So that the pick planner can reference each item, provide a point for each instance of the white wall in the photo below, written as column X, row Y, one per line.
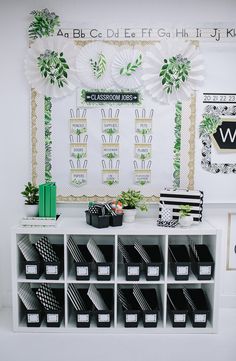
column 15, row 103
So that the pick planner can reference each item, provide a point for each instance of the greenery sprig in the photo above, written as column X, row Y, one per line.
column 184, row 210
column 131, row 68
column 174, row 72
column 43, row 24
column 99, row 67
column 209, row 124
column 53, row 66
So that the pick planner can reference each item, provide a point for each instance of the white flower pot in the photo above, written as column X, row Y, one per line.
column 31, row 210
column 129, row 215
column 186, row 221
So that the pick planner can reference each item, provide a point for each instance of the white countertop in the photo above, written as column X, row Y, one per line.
column 145, row 226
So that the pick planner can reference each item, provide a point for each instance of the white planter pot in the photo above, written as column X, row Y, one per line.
column 31, row 210
column 186, row 221
column 129, row 215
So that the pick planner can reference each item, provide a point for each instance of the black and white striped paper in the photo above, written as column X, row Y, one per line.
column 27, row 249
column 76, row 299
column 28, row 297
column 174, row 198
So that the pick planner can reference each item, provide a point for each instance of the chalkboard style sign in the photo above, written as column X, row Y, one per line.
column 225, row 135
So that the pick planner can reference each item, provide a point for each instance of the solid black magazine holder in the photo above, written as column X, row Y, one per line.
column 133, row 268
column 150, row 317
column 179, row 262
column 133, row 313
column 84, row 317
column 104, row 269
column 53, row 270
column 105, row 317
column 154, row 269
column 83, row 269
column 203, row 266
column 177, row 307
column 200, row 315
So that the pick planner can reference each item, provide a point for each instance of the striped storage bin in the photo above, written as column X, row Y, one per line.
column 174, row 198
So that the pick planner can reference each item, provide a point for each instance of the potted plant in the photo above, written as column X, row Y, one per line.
column 31, row 196
column 131, row 201
column 185, row 219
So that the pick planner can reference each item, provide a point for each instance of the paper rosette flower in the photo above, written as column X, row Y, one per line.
column 50, row 66
column 172, row 71
column 127, row 68
column 94, row 65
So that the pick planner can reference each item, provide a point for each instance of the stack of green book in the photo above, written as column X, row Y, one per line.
column 47, row 200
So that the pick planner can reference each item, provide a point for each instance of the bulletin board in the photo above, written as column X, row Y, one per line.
column 127, row 113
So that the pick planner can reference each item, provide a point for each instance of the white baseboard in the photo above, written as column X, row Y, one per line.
column 228, row 301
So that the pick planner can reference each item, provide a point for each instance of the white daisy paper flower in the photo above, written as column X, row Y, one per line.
column 50, row 66
column 172, row 71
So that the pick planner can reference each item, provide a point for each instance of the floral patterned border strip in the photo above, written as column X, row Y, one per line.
column 34, row 135
column 192, row 142
column 208, row 126
column 177, row 145
column 48, row 139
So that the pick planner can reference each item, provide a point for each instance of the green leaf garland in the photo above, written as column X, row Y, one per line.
column 209, row 124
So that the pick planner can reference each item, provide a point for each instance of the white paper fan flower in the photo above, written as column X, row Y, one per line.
column 172, row 71
column 94, row 65
column 50, row 66
column 127, row 68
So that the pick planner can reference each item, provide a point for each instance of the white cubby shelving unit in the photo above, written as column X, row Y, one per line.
column 144, row 230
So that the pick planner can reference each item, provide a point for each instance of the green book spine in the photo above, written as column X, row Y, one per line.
column 41, row 200
column 47, row 200
column 53, row 200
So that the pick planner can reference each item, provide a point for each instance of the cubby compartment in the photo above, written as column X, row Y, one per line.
column 41, row 269
column 190, row 305
column 150, row 267
column 89, row 316
column 201, row 270
column 42, row 310
column 134, row 311
column 89, row 270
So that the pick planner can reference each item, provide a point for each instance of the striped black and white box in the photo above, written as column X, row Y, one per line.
column 174, row 198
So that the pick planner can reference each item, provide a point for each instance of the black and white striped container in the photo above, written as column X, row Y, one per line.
column 174, row 198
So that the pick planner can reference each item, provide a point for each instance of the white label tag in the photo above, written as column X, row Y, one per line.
column 33, row 318
column 153, row 271
column 151, row 318
column 104, row 317
column 182, row 270
column 201, row 318
column 205, row 270
column 133, row 270
column 51, row 317
column 131, row 317
column 179, row 318
column 103, row 270
column 51, row 270
column 83, row 318
column 82, row 271
column 31, row 269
